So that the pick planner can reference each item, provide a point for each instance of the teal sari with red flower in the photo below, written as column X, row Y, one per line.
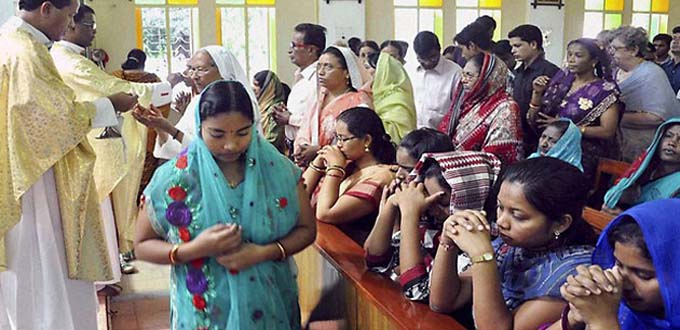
column 190, row 194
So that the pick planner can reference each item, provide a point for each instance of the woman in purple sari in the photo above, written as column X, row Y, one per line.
column 584, row 93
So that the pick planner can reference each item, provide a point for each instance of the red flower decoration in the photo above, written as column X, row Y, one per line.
column 177, row 193
column 184, row 234
column 181, row 162
column 283, row 202
column 198, row 263
column 199, row 302
column 233, row 271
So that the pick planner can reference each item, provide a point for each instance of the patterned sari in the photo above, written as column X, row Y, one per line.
column 485, row 118
column 188, row 195
column 583, row 106
column 271, row 94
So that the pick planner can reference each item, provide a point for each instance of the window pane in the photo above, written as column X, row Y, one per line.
column 594, row 4
column 426, row 21
column 182, row 2
column 258, row 40
column 592, row 24
column 154, row 40
column 490, row 4
column 261, row 2
column 180, row 37
column 406, row 3
column 496, row 14
column 642, row 5
column 439, row 25
column 641, row 20
column 230, row 2
column 659, row 24
column 149, row 2
column 660, row 6
column 234, row 32
column 613, row 5
column 612, row 21
column 408, row 27
column 465, row 17
column 430, row 3
column 467, row 3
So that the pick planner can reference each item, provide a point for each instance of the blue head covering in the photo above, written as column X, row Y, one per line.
column 660, row 227
column 567, row 148
column 613, row 195
column 265, row 204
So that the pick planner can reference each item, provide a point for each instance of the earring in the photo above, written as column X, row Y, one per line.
column 557, row 234
column 367, row 149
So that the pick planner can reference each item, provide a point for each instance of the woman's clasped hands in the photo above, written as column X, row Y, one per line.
column 470, row 231
column 594, row 295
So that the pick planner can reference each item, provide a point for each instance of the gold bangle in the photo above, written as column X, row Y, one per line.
column 337, row 168
column 282, row 249
column 173, row 254
column 533, row 106
column 317, row 169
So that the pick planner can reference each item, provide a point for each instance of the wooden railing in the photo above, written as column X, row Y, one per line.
column 371, row 301
column 596, row 219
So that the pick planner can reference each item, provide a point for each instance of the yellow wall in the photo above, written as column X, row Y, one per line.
column 116, row 30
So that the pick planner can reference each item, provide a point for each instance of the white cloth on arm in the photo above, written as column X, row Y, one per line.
column 44, row 297
column 432, row 91
column 172, row 147
column 301, row 99
column 106, row 114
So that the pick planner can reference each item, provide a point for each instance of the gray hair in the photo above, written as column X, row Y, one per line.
column 632, row 37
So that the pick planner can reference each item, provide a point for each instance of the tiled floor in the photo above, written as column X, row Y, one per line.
column 144, row 302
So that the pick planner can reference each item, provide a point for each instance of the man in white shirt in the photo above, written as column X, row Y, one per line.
column 433, row 81
column 52, row 244
column 309, row 40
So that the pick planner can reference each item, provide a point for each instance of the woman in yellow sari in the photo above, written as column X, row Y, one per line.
column 270, row 93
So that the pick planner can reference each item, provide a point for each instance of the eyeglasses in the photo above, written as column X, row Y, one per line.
column 325, row 67
column 91, row 25
column 616, row 48
column 342, row 140
column 199, row 70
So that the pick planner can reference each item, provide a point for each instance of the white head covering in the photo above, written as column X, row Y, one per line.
column 352, row 66
column 231, row 69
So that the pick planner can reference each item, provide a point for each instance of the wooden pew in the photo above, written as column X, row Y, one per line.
column 370, row 301
column 597, row 219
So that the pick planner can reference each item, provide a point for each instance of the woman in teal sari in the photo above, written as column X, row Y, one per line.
column 227, row 214
column 562, row 140
column 654, row 175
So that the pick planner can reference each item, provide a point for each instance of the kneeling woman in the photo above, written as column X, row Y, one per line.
column 514, row 281
column 346, row 180
column 227, row 214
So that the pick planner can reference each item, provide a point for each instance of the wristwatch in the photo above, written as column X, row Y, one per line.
column 485, row 257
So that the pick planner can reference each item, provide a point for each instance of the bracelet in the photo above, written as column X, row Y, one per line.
column 282, row 249
column 328, row 173
column 316, row 168
column 533, row 106
column 174, row 136
column 173, row 254
column 337, row 168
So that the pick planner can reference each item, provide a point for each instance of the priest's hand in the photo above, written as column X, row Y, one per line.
column 123, row 102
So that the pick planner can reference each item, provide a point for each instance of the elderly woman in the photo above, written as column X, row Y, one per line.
column 645, row 90
column 340, row 80
column 584, row 93
column 483, row 117
column 208, row 65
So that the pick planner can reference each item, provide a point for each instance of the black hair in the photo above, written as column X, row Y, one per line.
column 627, row 231
column 433, row 170
column 362, row 121
column 528, row 33
column 286, row 92
column 555, row 188
column 399, row 45
column 31, row 5
column 560, row 125
column 502, row 48
column 474, row 33
column 261, row 78
column 425, row 42
column 314, row 35
column 676, row 30
column 663, row 37
column 488, row 22
column 354, row 44
column 135, row 60
column 478, row 60
column 373, row 59
column 370, row 43
column 225, row 97
column 449, row 49
column 341, row 59
column 82, row 11
column 423, row 140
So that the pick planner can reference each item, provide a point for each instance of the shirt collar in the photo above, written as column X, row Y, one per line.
column 525, row 67
column 16, row 23
column 71, row 46
column 309, row 71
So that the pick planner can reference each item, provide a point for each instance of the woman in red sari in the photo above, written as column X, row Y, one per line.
column 483, row 117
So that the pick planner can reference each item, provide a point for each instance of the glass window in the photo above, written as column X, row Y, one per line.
column 602, row 15
column 467, row 11
column 414, row 16
column 248, row 29
column 166, row 31
column 651, row 15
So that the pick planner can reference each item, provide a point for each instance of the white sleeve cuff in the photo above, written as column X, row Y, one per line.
column 106, row 114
